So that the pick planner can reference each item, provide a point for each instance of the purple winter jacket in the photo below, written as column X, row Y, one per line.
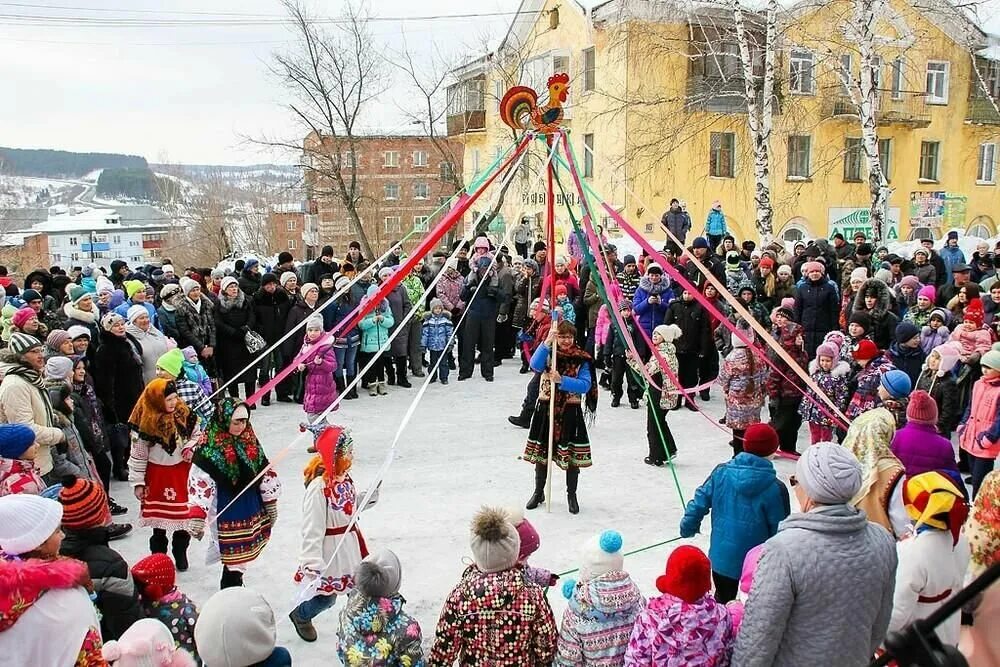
column 921, row 449
column 320, row 389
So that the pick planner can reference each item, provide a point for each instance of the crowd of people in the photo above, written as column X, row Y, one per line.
column 116, row 375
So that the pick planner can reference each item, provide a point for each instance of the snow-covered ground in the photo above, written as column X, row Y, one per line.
column 459, row 453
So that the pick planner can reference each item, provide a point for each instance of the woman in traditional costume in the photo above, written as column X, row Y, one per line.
column 228, row 482
column 575, row 400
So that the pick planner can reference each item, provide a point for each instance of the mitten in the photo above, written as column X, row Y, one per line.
column 196, row 527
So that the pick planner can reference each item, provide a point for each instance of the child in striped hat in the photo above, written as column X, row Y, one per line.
column 85, row 523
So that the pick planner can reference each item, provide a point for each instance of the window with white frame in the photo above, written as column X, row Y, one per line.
column 898, row 69
column 390, row 158
column 391, row 191
column 852, row 159
column 421, row 191
column 420, row 223
column 930, row 158
column 74, row 256
column 117, row 239
column 56, row 258
column 290, row 225
column 291, row 244
column 392, row 225
column 802, row 72
column 419, row 158
column 986, row 174
column 846, row 73
column 589, row 72
column 937, row 81
column 73, row 240
column 793, row 233
column 799, row 148
column 721, row 153
column 588, row 156
column 447, row 171
column 885, row 157
column 349, row 160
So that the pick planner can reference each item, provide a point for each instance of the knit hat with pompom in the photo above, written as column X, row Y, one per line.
column 494, row 540
column 602, row 554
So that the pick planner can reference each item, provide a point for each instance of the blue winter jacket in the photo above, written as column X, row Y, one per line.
column 951, row 256
column 716, row 223
column 436, row 331
column 650, row 315
column 747, row 501
column 578, row 385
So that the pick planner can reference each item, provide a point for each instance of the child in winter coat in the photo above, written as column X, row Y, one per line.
column 933, row 560
column 905, row 352
column 736, row 607
column 17, row 455
column 564, row 305
column 974, row 338
column 662, row 400
column 935, row 332
column 328, row 507
column 743, row 380
column 685, row 626
column 195, row 372
column 917, row 445
column 319, row 361
column 872, row 364
column 979, row 432
column 603, row 606
column 831, row 375
column 919, row 313
column 602, row 338
column 374, row 630
column 155, row 578
column 69, row 457
column 616, row 359
column 85, row 537
column 858, row 329
column 938, row 380
column 147, row 642
column 747, row 501
column 530, row 541
column 435, row 333
column 376, row 327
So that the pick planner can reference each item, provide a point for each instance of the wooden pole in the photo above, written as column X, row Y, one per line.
column 550, row 229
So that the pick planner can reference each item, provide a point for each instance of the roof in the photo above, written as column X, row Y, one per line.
column 125, row 218
column 528, row 14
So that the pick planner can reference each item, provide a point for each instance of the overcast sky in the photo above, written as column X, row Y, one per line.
column 186, row 93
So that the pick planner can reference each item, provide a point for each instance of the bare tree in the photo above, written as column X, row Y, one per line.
column 332, row 76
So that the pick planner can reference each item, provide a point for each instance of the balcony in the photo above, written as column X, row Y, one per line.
column 466, row 121
column 909, row 110
column 982, row 112
column 466, row 105
column 718, row 95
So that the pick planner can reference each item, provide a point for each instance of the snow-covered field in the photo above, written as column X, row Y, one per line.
column 458, row 453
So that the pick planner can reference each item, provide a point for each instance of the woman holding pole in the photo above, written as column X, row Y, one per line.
column 567, row 395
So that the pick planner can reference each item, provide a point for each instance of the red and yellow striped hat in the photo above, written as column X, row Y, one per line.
column 84, row 504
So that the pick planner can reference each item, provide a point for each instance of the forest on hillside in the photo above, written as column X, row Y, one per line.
column 47, row 163
column 137, row 184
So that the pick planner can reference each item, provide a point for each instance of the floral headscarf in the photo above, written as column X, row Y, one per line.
column 982, row 530
column 868, row 438
column 233, row 461
column 151, row 421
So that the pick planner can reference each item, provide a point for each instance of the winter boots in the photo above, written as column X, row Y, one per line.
column 524, row 419
column 538, row 497
column 401, row 379
column 305, row 629
column 230, row 578
column 158, row 542
column 382, row 390
column 572, row 478
column 353, row 393
column 179, row 548
column 373, row 388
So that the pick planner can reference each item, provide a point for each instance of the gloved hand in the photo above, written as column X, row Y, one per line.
column 272, row 512
column 196, row 527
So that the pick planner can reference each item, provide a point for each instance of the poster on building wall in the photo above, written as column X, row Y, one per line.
column 850, row 221
column 937, row 210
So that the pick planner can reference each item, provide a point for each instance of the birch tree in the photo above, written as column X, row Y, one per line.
column 760, row 113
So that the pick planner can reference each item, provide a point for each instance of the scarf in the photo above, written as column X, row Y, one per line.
column 32, row 377
column 226, row 303
column 868, row 440
column 231, row 461
column 568, row 363
column 151, row 421
column 195, row 305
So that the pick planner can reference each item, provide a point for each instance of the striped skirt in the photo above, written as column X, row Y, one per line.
column 244, row 529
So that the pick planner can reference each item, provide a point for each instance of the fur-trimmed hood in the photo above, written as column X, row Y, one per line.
column 23, row 581
column 839, row 370
column 74, row 313
column 881, row 291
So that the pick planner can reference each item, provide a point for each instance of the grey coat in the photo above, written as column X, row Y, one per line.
column 822, row 593
column 399, row 304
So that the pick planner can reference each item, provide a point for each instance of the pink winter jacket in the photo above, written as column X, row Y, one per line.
column 672, row 633
column 977, row 341
column 982, row 413
column 603, row 327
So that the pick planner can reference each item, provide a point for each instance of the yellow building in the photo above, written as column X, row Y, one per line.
column 656, row 92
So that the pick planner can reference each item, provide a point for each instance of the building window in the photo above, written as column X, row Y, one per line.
column 349, row 160
column 447, row 171
column 421, row 191
column 117, row 239
column 291, row 244
column 588, row 156
column 877, row 72
column 390, row 158
column 74, row 256
column 798, row 156
column 73, row 240
column 793, row 233
column 987, row 164
column 721, row 149
column 392, row 191
column 898, row 69
column 392, row 224
column 589, row 63
column 846, row 67
column 930, row 152
column 560, row 64
column 420, row 223
column 885, row 157
column 852, row 159
column 419, row 158
column 802, row 73
column 937, row 82
column 290, row 225
column 56, row 258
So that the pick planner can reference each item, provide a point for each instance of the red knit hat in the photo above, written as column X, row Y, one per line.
column 760, row 439
column 922, row 409
column 155, row 575
column 866, row 350
column 84, row 504
column 974, row 312
column 688, row 575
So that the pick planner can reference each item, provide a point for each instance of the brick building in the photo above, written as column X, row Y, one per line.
column 401, row 181
column 294, row 227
